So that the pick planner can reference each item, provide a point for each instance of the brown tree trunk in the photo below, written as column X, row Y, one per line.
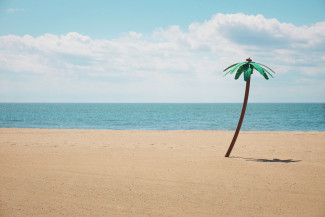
column 240, row 119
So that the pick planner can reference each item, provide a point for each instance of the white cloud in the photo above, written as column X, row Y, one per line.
column 15, row 10
column 169, row 65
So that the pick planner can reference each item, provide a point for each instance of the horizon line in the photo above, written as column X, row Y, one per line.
column 155, row 102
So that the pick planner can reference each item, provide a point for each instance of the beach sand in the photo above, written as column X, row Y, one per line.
column 46, row 172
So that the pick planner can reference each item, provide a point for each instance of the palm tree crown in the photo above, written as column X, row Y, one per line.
column 247, row 68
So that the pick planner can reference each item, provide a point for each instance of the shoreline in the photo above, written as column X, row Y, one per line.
column 29, row 128
column 181, row 173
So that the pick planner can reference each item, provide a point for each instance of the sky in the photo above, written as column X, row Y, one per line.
column 160, row 51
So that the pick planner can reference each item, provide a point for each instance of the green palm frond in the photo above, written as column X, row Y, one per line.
column 258, row 68
column 268, row 73
column 265, row 76
column 239, row 72
column 248, row 72
column 247, row 69
column 230, row 66
column 236, row 67
column 266, row 67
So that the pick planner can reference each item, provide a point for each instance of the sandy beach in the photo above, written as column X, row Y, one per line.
column 46, row 172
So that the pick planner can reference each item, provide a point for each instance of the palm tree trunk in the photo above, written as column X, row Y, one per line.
column 240, row 119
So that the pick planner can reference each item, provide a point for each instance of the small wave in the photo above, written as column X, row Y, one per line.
column 16, row 120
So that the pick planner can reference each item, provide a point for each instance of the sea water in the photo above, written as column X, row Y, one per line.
column 164, row 116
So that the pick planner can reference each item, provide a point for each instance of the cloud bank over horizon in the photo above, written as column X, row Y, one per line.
column 170, row 65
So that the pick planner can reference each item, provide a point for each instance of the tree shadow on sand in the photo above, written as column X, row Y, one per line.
column 274, row 160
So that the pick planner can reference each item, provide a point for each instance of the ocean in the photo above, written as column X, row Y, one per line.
column 164, row 116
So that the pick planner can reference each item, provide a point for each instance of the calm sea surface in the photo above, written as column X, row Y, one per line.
column 165, row 116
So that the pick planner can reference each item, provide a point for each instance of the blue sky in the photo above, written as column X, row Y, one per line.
column 159, row 51
column 107, row 19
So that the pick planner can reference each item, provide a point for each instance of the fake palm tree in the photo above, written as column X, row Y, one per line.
column 247, row 69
